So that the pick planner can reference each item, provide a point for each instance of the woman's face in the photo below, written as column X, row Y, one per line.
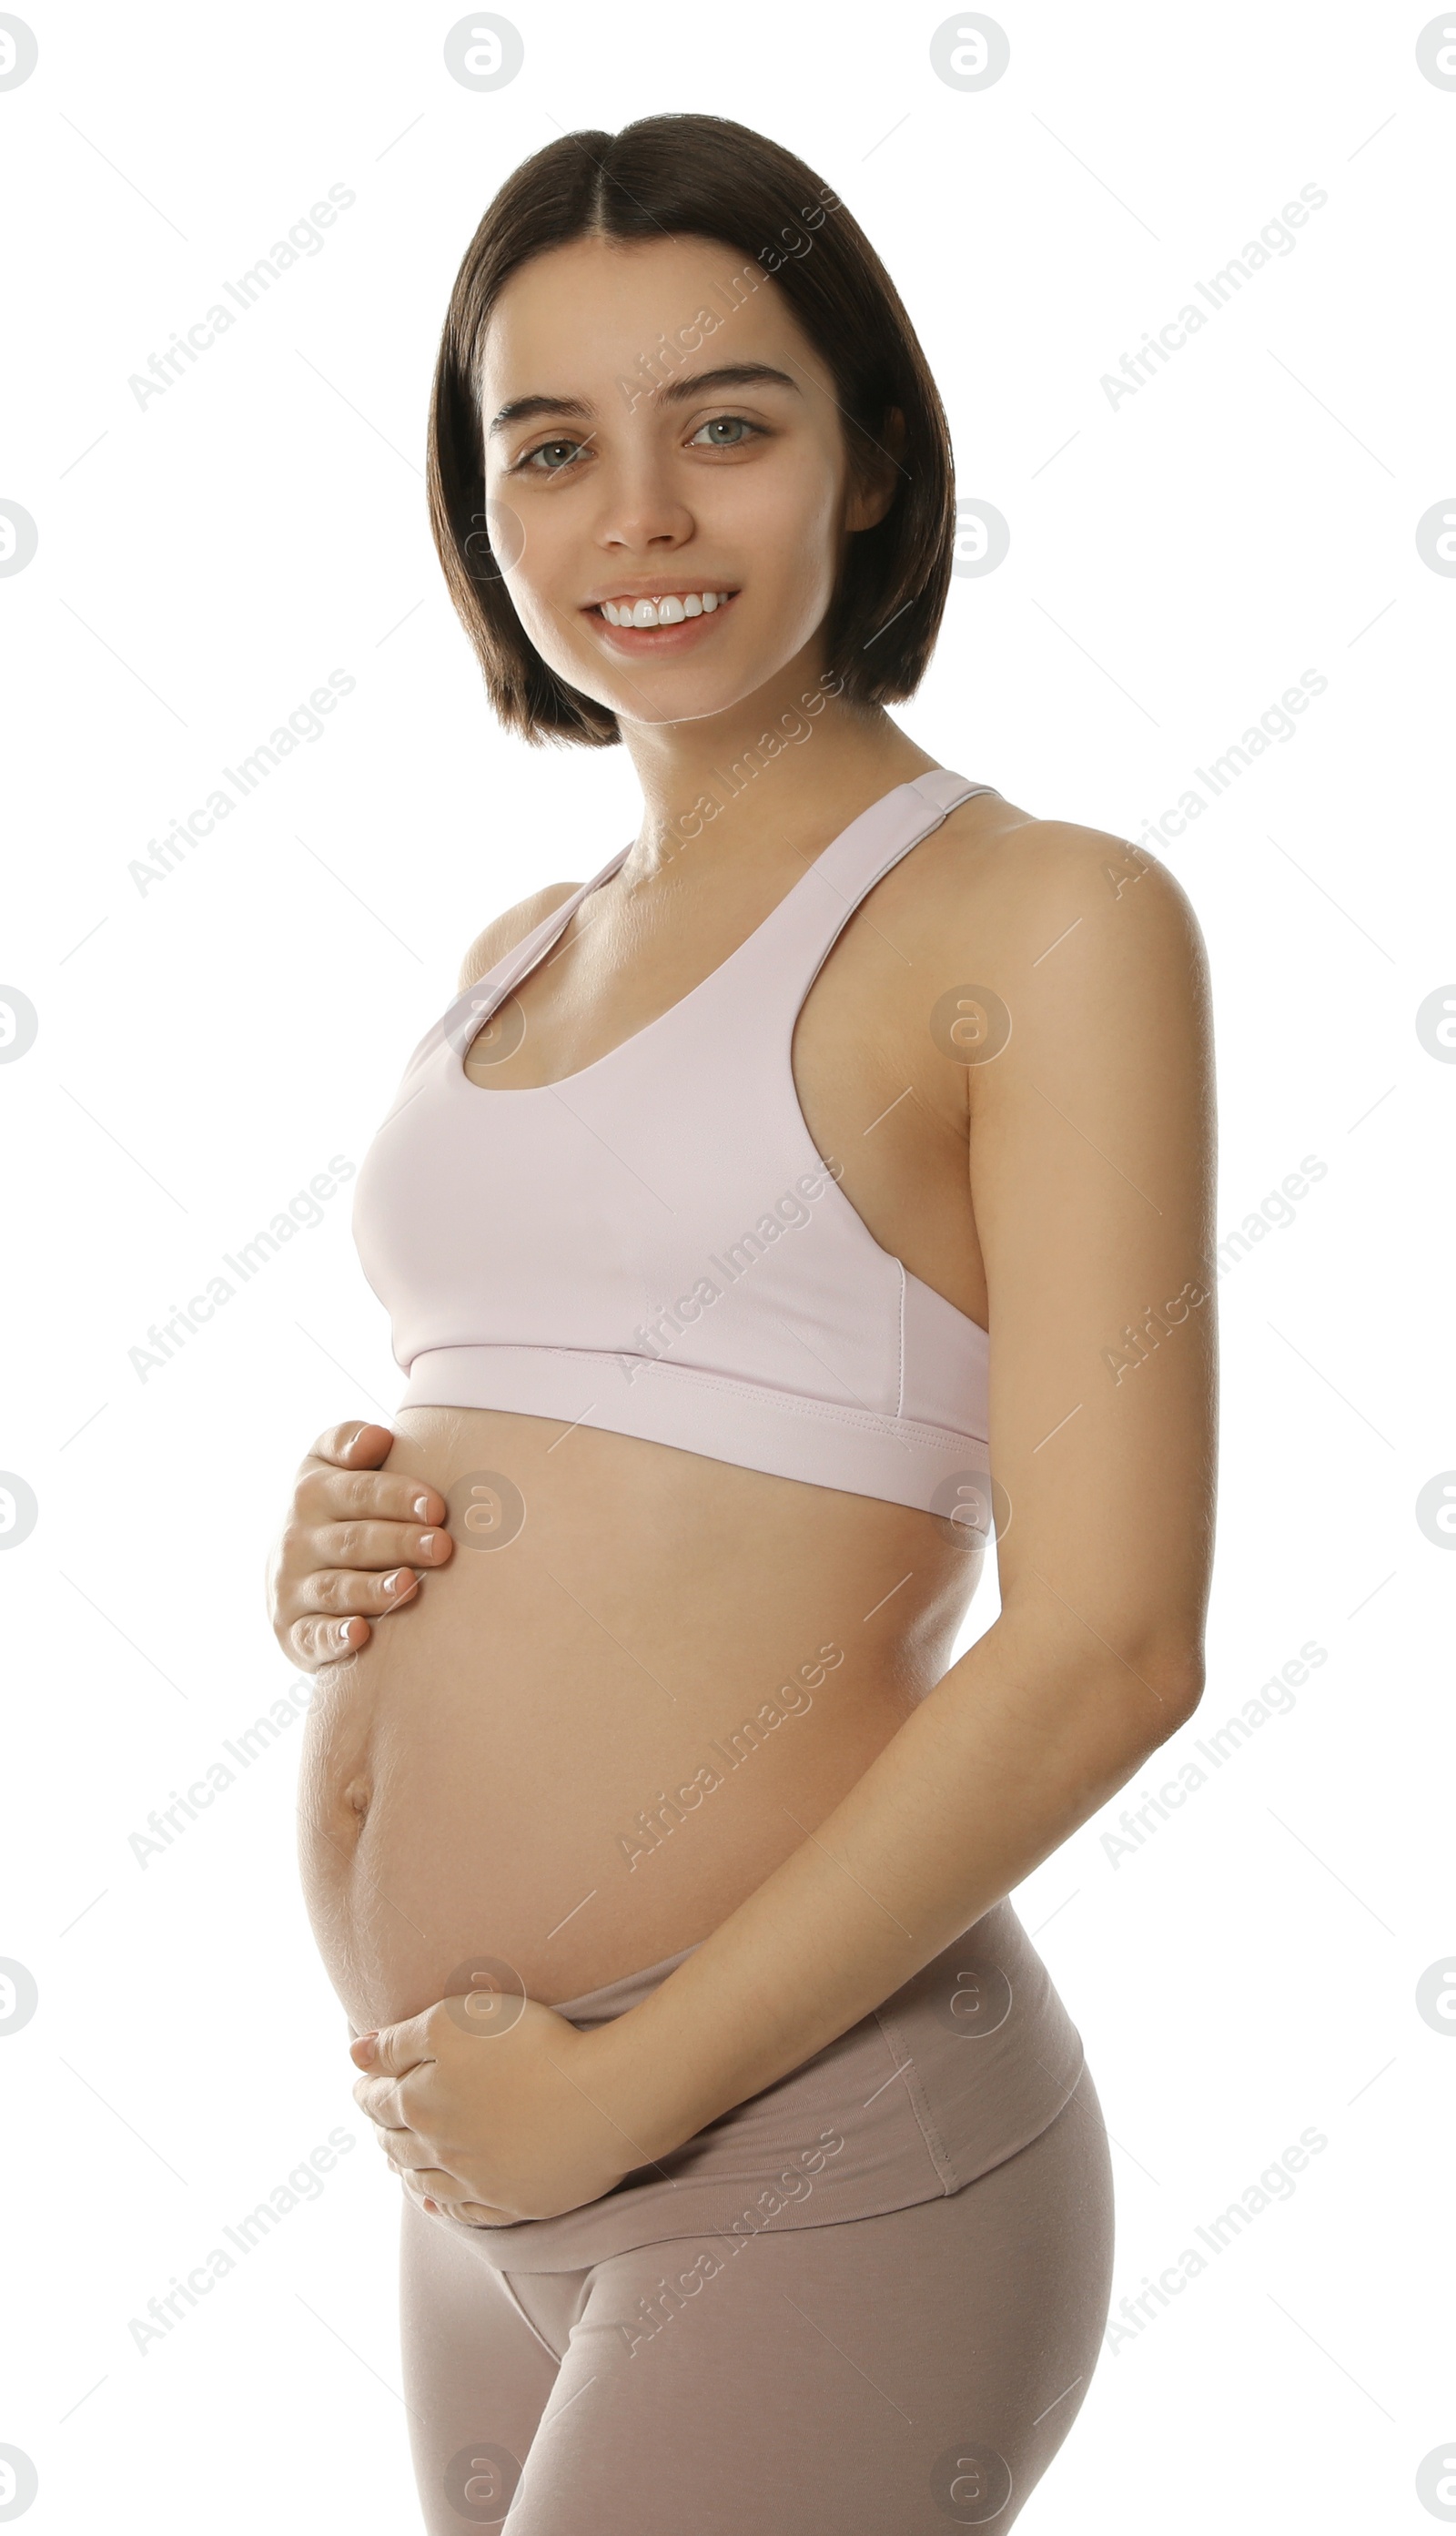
column 640, row 472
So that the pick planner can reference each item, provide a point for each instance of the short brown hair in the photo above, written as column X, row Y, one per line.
column 674, row 176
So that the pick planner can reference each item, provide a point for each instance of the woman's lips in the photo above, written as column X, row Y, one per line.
column 637, row 640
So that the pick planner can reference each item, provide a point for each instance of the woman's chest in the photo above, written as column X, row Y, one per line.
column 857, row 1043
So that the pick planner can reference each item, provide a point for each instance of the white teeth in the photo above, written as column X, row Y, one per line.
column 669, row 611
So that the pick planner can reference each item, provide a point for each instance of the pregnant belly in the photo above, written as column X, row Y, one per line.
column 642, row 1680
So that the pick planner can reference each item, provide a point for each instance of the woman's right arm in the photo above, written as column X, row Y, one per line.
column 348, row 1551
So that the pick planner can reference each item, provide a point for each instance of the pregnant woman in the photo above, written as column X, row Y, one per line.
column 814, row 1193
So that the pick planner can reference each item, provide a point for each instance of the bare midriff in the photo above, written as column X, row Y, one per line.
column 589, row 1739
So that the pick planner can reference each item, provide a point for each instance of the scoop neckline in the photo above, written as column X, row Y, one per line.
column 457, row 1073
column 529, row 1091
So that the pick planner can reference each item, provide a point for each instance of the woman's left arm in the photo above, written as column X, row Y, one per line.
column 1090, row 1149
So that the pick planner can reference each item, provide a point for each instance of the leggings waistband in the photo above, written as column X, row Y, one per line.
column 613, row 1999
column 964, row 2065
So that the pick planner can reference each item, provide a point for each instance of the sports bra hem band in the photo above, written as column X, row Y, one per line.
column 907, row 1432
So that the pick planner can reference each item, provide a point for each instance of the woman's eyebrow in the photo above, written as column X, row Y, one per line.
column 526, row 409
column 739, row 374
column 678, row 391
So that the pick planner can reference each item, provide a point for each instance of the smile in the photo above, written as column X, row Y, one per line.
column 670, row 609
column 673, row 622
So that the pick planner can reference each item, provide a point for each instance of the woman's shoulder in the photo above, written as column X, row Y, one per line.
column 504, row 931
column 1005, row 868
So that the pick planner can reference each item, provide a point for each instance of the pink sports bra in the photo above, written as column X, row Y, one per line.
column 652, row 1246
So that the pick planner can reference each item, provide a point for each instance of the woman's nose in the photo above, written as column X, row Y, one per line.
column 643, row 513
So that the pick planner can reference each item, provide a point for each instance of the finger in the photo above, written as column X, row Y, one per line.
column 394, row 2050
column 367, row 1543
column 406, row 2150
column 312, row 1643
column 436, row 2181
column 378, row 2101
column 318, row 1639
column 433, row 2190
column 355, row 1445
column 324, row 1495
column 333, row 1593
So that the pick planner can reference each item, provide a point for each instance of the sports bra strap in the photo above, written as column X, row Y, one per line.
column 479, row 1000
column 796, row 938
column 800, row 928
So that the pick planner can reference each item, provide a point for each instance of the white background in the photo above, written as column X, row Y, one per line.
column 1176, row 561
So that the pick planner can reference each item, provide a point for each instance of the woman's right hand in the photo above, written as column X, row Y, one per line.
column 350, row 1548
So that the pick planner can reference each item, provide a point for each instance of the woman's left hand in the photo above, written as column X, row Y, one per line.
column 491, row 2126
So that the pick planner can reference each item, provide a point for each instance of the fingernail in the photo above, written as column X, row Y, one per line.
column 421, row 1507
column 395, row 1582
column 427, row 1545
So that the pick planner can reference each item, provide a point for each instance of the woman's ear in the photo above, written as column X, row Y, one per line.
column 878, row 473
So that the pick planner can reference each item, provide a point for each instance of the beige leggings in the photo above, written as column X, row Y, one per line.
column 891, row 2376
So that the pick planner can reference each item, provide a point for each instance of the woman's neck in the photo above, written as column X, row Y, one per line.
column 802, row 771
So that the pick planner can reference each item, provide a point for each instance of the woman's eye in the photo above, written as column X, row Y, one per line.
column 544, row 451
column 729, row 422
